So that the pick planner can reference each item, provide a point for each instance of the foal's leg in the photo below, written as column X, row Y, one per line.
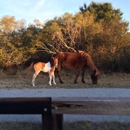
column 34, row 77
column 50, row 76
column 53, row 76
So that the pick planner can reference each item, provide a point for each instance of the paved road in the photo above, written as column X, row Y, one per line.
column 96, row 92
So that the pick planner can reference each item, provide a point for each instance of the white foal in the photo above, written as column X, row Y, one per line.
column 46, row 67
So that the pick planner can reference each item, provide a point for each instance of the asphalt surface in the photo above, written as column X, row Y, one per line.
column 94, row 92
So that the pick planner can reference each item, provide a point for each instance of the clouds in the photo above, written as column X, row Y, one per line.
column 15, row 8
column 48, row 9
column 38, row 9
column 45, row 10
column 39, row 4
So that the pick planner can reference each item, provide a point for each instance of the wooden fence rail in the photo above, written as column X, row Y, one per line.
column 28, row 106
column 90, row 106
column 53, row 109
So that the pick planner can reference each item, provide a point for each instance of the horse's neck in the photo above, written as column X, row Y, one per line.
column 91, row 65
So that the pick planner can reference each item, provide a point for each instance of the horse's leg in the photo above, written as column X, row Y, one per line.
column 34, row 77
column 75, row 80
column 58, row 73
column 83, row 71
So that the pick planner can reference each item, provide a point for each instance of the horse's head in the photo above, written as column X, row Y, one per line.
column 94, row 76
column 54, row 61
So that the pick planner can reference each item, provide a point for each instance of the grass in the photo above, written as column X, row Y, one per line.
column 20, row 126
column 80, row 125
column 23, row 80
column 86, row 125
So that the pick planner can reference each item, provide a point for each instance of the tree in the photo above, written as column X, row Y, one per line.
column 70, row 32
column 102, row 11
column 54, row 37
column 38, row 23
column 108, row 43
column 8, row 24
column 15, row 42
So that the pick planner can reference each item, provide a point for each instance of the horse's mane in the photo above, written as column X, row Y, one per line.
column 83, row 54
column 89, row 61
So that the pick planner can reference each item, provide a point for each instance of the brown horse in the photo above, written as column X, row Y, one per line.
column 45, row 67
column 77, row 61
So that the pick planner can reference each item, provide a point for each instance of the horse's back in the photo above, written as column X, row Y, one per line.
column 70, row 60
column 65, row 56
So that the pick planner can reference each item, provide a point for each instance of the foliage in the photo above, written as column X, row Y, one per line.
column 97, row 29
column 16, row 46
column 8, row 24
column 102, row 11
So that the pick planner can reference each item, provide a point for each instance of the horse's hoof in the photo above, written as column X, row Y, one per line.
column 61, row 82
column 75, row 82
column 83, row 82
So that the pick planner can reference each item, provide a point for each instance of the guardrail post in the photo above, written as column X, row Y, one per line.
column 46, row 122
column 57, row 121
column 52, row 122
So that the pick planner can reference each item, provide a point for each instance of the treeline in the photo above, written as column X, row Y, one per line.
column 98, row 29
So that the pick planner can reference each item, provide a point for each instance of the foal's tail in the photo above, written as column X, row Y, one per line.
column 31, row 65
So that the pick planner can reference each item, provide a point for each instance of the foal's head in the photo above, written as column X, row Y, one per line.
column 54, row 61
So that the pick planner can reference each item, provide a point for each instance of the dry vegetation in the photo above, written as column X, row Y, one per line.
column 9, row 79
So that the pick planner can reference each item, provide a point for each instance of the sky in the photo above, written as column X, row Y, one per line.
column 44, row 10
